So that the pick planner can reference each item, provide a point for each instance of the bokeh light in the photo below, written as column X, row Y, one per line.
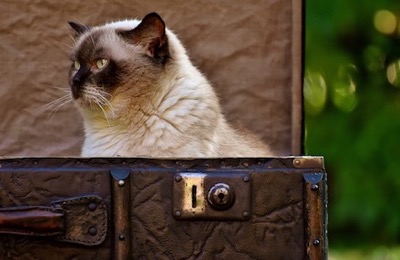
column 385, row 21
column 344, row 89
column 315, row 92
column 393, row 73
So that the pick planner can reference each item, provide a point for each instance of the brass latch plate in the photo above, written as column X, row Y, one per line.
column 212, row 196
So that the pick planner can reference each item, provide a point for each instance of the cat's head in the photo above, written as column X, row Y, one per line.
column 117, row 61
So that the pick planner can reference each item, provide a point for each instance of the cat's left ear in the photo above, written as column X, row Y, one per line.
column 79, row 28
column 150, row 33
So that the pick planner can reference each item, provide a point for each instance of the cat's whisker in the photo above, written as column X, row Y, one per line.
column 62, row 46
column 55, row 102
column 105, row 115
column 55, row 105
column 61, row 105
column 96, row 99
column 64, row 90
column 70, row 35
column 106, row 101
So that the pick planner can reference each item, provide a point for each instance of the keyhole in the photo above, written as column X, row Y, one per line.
column 221, row 197
column 194, row 196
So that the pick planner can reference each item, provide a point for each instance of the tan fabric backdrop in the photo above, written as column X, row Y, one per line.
column 249, row 50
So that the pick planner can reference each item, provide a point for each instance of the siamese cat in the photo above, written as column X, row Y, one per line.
column 139, row 95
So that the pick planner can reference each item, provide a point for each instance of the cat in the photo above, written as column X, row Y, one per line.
column 140, row 95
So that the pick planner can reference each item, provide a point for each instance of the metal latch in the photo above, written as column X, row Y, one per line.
column 212, row 196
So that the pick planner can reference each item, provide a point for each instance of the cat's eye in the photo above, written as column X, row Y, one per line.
column 101, row 63
column 76, row 66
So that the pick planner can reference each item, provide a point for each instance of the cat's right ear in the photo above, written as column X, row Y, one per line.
column 79, row 28
column 150, row 33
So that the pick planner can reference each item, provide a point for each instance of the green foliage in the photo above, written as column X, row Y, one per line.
column 352, row 101
column 366, row 254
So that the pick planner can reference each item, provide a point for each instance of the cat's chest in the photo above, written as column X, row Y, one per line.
column 178, row 125
column 153, row 137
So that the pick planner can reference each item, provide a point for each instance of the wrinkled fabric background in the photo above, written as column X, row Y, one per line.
column 249, row 50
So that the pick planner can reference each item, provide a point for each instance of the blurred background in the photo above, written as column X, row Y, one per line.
column 352, row 106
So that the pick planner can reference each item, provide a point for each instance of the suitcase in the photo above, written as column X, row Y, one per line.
column 126, row 208
column 67, row 207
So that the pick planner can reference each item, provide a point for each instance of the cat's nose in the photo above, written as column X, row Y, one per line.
column 79, row 79
column 77, row 82
column 75, row 91
column 76, row 86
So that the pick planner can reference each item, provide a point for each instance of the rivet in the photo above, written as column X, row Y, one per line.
column 178, row 178
column 121, row 237
column 246, row 179
column 296, row 162
column 316, row 242
column 246, row 164
column 121, row 183
column 245, row 214
column 35, row 162
column 314, row 187
column 92, row 206
column 177, row 213
column 93, row 231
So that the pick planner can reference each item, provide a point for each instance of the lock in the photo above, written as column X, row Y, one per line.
column 221, row 196
column 211, row 196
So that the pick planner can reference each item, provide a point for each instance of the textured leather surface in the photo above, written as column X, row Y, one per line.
column 274, row 231
column 244, row 48
column 35, row 184
column 277, row 228
column 85, row 220
column 81, row 220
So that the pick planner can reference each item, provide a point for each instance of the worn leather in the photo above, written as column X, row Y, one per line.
column 249, row 51
column 81, row 220
column 85, row 220
column 31, row 182
column 276, row 223
column 32, row 221
column 280, row 209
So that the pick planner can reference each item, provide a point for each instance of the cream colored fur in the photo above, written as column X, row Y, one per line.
column 174, row 115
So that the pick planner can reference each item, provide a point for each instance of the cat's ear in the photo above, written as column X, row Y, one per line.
column 79, row 28
column 150, row 33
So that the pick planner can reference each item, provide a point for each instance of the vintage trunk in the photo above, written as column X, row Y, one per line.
column 127, row 208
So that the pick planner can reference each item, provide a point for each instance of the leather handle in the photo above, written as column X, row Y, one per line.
column 34, row 220
column 80, row 220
